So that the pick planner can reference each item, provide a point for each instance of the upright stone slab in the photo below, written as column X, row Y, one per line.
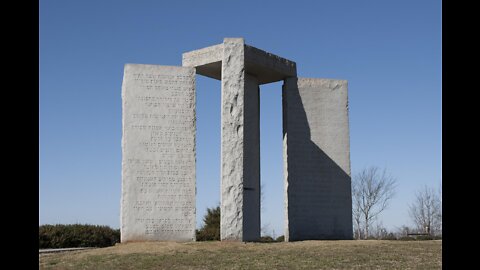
column 251, row 161
column 158, row 153
column 241, row 68
column 235, row 156
column 316, row 159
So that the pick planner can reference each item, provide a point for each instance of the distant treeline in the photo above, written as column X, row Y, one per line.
column 77, row 235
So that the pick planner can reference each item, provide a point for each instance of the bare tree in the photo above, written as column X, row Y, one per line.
column 356, row 211
column 265, row 229
column 379, row 231
column 426, row 211
column 262, row 198
column 402, row 231
column 439, row 228
column 372, row 192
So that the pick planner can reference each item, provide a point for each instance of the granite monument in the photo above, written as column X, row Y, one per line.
column 158, row 147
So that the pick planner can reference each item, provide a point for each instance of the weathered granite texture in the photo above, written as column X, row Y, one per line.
column 232, row 147
column 207, row 61
column 158, row 153
column 241, row 68
column 316, row 159
column 265, row 66
column 240, row 184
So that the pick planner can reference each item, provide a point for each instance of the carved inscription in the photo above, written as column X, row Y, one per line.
column 158, row 200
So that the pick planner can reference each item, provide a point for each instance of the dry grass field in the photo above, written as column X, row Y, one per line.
column 357, row 254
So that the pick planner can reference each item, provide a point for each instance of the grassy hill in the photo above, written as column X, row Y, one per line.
column 356, row 254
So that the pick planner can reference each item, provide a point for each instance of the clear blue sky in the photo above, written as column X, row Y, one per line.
column 389, row 51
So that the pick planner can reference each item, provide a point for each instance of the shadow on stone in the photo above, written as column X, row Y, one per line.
column 318, row 189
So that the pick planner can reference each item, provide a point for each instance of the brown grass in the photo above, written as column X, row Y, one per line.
column 356, row 254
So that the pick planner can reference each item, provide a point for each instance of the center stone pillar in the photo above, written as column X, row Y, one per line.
column 240, row 148
column 241, row 69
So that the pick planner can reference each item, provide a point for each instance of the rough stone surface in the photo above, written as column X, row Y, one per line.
column 316, row 159
column 232, row 147
column 158, row 153
column 208, row 61
column 203, row 56
column 240, row 176
column 265, row 66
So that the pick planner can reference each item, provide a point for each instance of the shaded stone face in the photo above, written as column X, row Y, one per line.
column 158, row 153
column 316, row 159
